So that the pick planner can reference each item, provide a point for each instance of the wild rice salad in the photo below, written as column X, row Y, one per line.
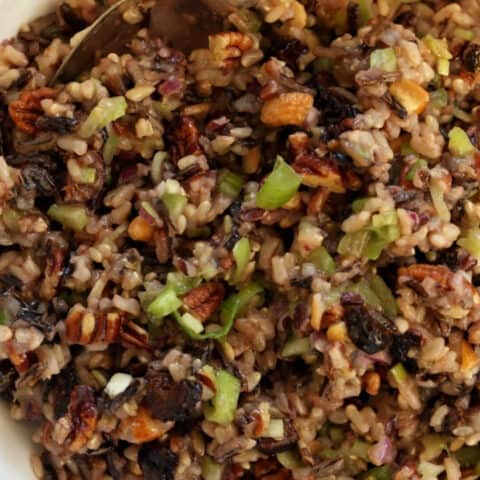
column 259, row 261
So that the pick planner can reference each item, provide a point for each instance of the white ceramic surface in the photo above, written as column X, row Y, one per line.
column 15, row 445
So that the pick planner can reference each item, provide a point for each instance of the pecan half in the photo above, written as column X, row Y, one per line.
column 27, row 109
column 83, row 327
column 203, row 301
column 83, row 414
column 185, row 139
column 319, row 172
column 133, row 334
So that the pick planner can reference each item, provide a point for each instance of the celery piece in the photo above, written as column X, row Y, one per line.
column 211, row 470
column 296, row 347
column 438, row 200
column 175, row 203
column 384, row 294
column 189, row 322
column 180, row 283
column 241, row 253
column 384, row 59
column 399, row 373
column 230, row 184
column 439, row 98
column 419, row 164
column 354, row 244
column 279, row 187
column 224, row 404
column 470, row 241
column 110, row 148
column 322, row 260
column 88, row 175
column 164, row 304
column 106, row 111
column 459, row 143
column 72, row 217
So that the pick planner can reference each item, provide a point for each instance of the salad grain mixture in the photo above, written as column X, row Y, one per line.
column 257, row 261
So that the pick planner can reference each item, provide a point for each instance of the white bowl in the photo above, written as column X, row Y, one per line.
column 15, row 438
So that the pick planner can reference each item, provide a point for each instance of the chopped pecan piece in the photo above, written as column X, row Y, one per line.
column 83, row 415
column 185, row 139
column 53, row 273
column 203, row 301
column 133, row 334
column 319, row 172
column 228, row 47
column 83, row 327
column 142, row 428
column 27, row 109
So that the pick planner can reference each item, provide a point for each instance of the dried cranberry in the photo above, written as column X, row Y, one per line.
column 157, row 462
column 168, row 400
column 368, row 329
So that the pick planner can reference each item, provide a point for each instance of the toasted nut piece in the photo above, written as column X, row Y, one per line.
column 142, row 428
column 295, row 203
column 85, row 328
column 133, row 334
column 317, row 201
column 410, row 95
column 287, row 109
column 27, row 109
column 203, row 301
column 474, row 334
column 337, row 332
column 140, row 230
column 469, row 358
column 371, row 383
column 317, row 311
column 251, row 161
column 83, row 413
column 419, row 272
column 319, row 172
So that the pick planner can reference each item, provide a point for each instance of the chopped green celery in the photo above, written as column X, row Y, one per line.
column 470, row 241
column 224, row 403
column 359, row 449
column 148, row 207
column 175, row 203
column 322, row 260
column 365, row 10
column 384, row 472
column 439, row 98
column 241, row 254
column 337, row 434
column 5, row 317
column 323, row 65
column 430, row 471
column 354, row 243
column 229, row 311
column 438, row 200
column 468, row 457
column 359, row 204
column 157, row 166
column 363, row 288
column 406, row 150
column 433, row 446
column 230, row 184
column 384, row 59
column 399, row 373
column 189, row 322
column 106, row 111
column 459, row 143
column 296, row 347
column 419, row 164
column 164, row 304
column 443, row 67
column 88, row 175
column 439, row 47
column 462, row 115
column 211, row 470
column 279, row 187
column 180, row 283
column 11, row 217
column 384, row 294
column 109, row 149
column 464, row 34
column 375, row 246
column 72, row 217
column 275, row 429
column 290, row 459
column 99, row 377
column 385, row 219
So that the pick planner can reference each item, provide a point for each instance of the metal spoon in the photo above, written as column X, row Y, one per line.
column 185, row 24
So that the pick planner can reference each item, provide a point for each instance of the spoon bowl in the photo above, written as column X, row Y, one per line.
column 185, row 24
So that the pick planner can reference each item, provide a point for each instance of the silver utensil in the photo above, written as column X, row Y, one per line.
column 185, row 24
